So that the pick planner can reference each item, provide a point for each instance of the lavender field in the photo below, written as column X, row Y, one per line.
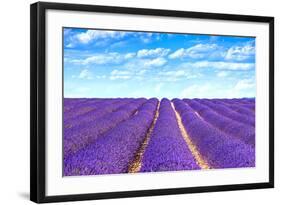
column 130, row 135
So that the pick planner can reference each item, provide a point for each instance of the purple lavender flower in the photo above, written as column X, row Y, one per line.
column 218, row 149
column 167, row 149
column 233, row 128
column 236, row 107
column 227, row 112
column 88, row 117
column 87, row 106
column 112, row 152
column 84, row 134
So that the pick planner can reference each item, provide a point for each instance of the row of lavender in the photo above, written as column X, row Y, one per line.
column 103, row 136
column 219, row 148
column 114, row 149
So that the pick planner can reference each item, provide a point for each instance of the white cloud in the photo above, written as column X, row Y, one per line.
column 120, row 74
column 156, row 62
column 197, row 51
column 124, row 77
column 144, row 63
column 85, row 74
column 222, row 74
column 129, row 60
column 221, row 65
column 129, row 55
column 177, row 54
column 175, row 75
column 67, row 60
column 158, row 87
column 178, row 73
column 244, row 84
column 104, row 58
column 141, row 72
column 101, row 76
column 70, row 45
column 90, row 35
column 240, row 53
column 212, row 90
column 196, row 91
column 145, row 37
column 157, row 52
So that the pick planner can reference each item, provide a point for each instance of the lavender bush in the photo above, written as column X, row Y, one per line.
column 106, row 136
column 227, row 125
column 215, row 146
column 167, row 150
column 113, row 151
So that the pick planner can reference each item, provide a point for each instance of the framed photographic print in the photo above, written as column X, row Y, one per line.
column 129, row 102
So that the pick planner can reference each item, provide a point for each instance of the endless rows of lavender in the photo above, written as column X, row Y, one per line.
column 129, row 135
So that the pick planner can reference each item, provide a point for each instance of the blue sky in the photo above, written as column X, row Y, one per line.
column 109, row 64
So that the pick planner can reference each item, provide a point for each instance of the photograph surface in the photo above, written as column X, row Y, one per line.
column 143, row 101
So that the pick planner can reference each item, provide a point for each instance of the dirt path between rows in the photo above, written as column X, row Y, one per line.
column 136, row 165
column 192, row 147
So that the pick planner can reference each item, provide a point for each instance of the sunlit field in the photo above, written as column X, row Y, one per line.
column 113, row 136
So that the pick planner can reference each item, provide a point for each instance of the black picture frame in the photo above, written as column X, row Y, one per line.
column 38, row 101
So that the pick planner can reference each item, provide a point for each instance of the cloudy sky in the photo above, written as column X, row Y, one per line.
column 103, row 63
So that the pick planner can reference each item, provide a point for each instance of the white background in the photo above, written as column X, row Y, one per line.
column 14, row 103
